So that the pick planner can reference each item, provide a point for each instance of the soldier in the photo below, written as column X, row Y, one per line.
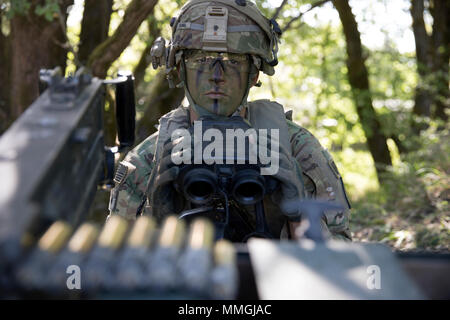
column 218, row 49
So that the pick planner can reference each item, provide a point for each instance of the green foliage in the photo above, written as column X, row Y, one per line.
column 16, row 7
column 48, row 10
column 163, row 12
column 411, row 209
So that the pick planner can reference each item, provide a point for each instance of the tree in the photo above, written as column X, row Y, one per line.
column 108, row 51
column 422, row 105
column 359, row 81
column 160, row 100
column 5, row 70
column 36, row 40
column 94, row 27
column 440, row 11
column 432, row 54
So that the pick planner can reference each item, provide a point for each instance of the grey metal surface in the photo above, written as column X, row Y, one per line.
column 330, row 270
column 54, row 147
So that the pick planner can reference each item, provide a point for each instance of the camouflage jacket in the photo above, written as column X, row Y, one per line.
column 320, row 175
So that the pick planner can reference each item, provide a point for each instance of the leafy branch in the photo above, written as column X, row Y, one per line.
column 312, row 6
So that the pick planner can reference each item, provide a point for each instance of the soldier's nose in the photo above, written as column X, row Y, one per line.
column 218, row 68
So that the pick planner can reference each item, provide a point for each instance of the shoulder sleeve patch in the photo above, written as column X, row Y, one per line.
column 123, row 170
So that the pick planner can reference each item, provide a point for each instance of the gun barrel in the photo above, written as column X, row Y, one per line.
column 37, row 185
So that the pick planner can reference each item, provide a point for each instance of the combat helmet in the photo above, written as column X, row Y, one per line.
column 235, row 26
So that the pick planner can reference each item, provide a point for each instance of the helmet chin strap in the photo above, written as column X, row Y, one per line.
column 202, row 112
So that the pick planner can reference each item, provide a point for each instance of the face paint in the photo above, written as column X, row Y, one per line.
column 217, row 81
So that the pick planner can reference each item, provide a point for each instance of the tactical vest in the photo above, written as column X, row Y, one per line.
column 266, row 114
column 262, row 114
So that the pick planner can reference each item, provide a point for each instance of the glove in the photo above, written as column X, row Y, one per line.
column 164, row 199
column 289, row 175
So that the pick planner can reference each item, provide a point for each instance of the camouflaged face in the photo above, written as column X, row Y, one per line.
column 188, row 33
column 217, row 81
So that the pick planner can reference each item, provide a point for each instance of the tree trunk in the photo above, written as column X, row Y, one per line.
column 94, row 31
column 5, row 70
column 94, row 27
column 160, row 100
column 106, row 53
column 441, row 42
column 359, row 81
column 422, row 104
column 35, row 43
column 144, row 61
column 109, row 50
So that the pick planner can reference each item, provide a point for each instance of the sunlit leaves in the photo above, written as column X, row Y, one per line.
column 12, row 8
column 49, row 9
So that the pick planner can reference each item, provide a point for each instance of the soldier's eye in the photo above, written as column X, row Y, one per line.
column 201, row 60
column 232, row 61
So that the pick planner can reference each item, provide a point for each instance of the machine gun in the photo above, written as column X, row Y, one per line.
column 53, row 157
column 138, row 261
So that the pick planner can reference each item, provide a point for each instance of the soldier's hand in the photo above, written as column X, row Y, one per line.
column 288, row 174
column 164, row 199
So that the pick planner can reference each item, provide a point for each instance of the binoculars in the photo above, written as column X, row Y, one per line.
column 227, row 181
column 201, row 185
column 239, row 179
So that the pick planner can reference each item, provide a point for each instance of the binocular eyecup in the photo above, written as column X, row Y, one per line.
column 248, row 187
column 200, row 186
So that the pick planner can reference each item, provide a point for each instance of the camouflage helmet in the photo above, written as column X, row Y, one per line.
column 235, row 26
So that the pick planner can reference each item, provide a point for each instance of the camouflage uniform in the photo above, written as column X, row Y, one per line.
column 320, row 175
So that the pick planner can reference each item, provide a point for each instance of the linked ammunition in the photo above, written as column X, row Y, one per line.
column 74, row 255
column 147, row 262
column 195, row 262
column 161, row 264
column 130, row 271
column 33, row 273
column 98, row 269
column 225, row 275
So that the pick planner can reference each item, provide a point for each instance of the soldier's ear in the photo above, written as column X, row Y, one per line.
column 254, row 79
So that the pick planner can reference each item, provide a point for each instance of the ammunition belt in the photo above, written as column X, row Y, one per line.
column 127, row 260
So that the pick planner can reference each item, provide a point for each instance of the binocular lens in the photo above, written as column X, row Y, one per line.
column 199, row 190
column 248, row 187
column 199, row 185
